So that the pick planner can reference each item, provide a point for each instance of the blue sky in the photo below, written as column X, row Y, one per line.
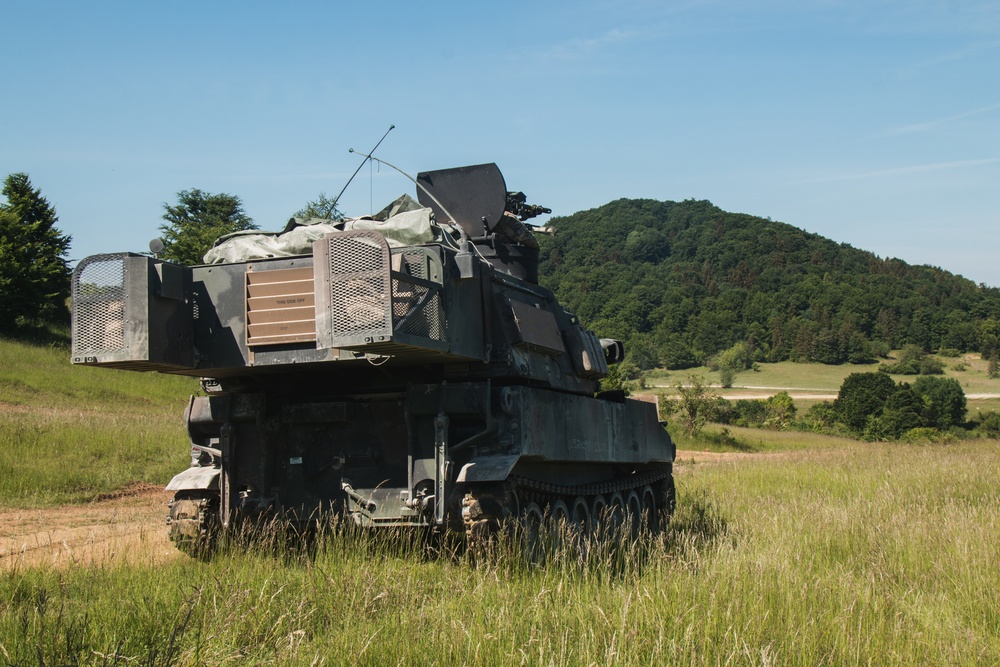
column 874, row 123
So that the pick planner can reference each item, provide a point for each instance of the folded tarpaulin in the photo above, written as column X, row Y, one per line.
column 404, row 222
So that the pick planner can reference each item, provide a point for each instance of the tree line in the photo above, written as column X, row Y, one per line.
column 869, row 406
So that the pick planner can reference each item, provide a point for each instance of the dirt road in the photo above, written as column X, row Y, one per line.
column 751, row 393
column 129, row 528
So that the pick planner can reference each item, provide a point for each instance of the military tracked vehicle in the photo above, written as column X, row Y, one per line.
column 404, row 369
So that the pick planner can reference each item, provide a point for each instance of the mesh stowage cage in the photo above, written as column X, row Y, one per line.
column 98, row 297
column 359, row 291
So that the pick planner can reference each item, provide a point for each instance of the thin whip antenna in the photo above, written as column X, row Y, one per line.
column 452, row 221
column 367, row 157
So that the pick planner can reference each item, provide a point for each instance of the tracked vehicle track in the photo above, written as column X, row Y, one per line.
column 192, row 518
column 638, row 500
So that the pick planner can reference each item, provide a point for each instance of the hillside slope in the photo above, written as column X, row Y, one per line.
column 70, row 433
column 683, row 280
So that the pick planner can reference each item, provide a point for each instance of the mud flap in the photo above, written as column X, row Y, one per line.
column 200, row 478
column 488, row 468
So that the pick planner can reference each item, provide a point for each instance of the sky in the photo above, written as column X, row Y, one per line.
column 875, row 123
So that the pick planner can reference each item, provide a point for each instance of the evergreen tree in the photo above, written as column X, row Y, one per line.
column 198, row 219
column 34, row 273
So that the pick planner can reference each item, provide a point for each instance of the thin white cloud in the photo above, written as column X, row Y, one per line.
column 922, row 127
column 582, row 47
column 914, row 169
column 968, row 52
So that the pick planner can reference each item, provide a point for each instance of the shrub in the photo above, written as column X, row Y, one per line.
column 821, row 415
column 879, row 348
column 695, row 405
column 989, row 424
column 862, row 395
column 750, row 412
column 931, row 366
column 913, row 360
column 924, row 434
column 944, row 403
column 900, row 368
column 780, row 410
column 911, row 352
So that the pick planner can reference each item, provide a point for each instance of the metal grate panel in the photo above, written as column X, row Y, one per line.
column 359, row 288
column 371, row 299
column 98, row 299
column 417, row 309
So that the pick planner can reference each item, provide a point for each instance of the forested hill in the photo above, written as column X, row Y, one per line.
column 681, row 281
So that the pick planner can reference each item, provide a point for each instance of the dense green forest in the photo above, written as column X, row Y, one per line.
column 682, row 281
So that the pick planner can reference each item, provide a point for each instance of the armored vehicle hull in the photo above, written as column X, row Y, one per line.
column 424, row 383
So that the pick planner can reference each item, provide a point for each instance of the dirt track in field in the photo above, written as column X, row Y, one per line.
column 128, row 528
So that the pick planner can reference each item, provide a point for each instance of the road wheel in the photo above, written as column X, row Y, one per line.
column 599, row 517
column 532, row 529
column 650, row 512
column 580, row 517
column 633, row 514
column 616, row 516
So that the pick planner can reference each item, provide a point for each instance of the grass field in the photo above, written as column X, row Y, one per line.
column 804, row 380
column 788, row 549
column 843, row 554
column 69, row 433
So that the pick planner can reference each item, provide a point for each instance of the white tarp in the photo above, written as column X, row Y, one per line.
column 403, row 223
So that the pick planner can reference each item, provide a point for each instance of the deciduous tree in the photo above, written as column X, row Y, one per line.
column 944, row 401
column 322, row 207
column 694, row 404
column 862, row 395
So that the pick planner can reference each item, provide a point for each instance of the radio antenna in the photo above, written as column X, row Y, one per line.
column 367, row 157
column 452, row 222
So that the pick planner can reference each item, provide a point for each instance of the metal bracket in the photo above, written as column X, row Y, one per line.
column 441, row 465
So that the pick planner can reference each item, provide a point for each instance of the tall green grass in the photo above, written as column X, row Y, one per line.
column 41, row 376
column 879, row 554
column 69, row 433
column 813, row 551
